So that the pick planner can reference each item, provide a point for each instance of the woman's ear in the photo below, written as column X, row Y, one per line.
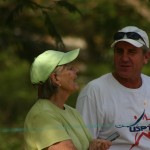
column 55, row 79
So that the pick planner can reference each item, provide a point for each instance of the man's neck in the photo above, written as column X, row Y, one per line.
column 129, row 83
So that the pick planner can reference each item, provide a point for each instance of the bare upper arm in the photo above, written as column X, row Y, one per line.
column 64, row 145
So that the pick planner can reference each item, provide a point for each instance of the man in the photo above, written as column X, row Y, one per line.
column 120, row 101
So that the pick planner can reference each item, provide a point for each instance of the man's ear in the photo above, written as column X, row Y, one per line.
column 148, row 54
column 147, row 57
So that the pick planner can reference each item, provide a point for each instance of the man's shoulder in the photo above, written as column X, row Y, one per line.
column 101, row 79
column 145, row 76
column 98, row 83
column 146, row 79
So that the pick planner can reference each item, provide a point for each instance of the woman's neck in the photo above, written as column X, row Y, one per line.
column 59, row 99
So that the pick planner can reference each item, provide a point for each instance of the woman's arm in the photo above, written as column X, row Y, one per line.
column 96, row 144
column 64, row 145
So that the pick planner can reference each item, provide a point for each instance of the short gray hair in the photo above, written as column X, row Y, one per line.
column 49, row 88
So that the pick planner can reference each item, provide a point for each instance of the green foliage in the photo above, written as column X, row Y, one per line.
column 15, row 99
column 34, row 11
column 11, row 141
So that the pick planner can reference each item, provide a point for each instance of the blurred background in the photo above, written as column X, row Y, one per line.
column 29, row 27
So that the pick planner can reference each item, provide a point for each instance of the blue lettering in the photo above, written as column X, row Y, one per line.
column 138, row 128
column 134, row 129
column 143, row 127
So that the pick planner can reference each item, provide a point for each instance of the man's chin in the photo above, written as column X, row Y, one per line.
column 124, row 75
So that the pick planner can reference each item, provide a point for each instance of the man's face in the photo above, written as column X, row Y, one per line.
column 128, row 60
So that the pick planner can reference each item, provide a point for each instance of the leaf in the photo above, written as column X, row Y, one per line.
column 70, row 7
column 53, row 32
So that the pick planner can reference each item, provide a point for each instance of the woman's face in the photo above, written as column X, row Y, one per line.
column 67, row 75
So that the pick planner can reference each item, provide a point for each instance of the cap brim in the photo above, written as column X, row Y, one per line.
column 69, row 57
column 133, row 42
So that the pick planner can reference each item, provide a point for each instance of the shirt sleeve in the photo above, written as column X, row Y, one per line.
column 87, row 106
column 47, row 130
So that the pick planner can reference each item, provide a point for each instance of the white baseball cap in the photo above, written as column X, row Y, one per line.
column 132, row 35
column 46, row 63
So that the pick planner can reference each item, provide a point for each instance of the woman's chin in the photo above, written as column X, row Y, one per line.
column 76, row 88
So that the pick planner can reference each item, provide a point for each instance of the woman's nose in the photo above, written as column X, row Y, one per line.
column 76, row 70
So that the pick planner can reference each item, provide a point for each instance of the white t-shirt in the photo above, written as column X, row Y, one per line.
column 107, row 107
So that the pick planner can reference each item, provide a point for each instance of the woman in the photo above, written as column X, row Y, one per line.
column 51, row 124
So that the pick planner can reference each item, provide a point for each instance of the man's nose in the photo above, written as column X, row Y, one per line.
column 125, row 56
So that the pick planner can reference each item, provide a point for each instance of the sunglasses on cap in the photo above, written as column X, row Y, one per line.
column 130, row 35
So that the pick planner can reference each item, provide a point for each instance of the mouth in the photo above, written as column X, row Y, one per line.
column 76, row 80
column 125, row 66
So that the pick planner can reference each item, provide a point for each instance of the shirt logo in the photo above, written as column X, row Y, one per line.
column 141, row 130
